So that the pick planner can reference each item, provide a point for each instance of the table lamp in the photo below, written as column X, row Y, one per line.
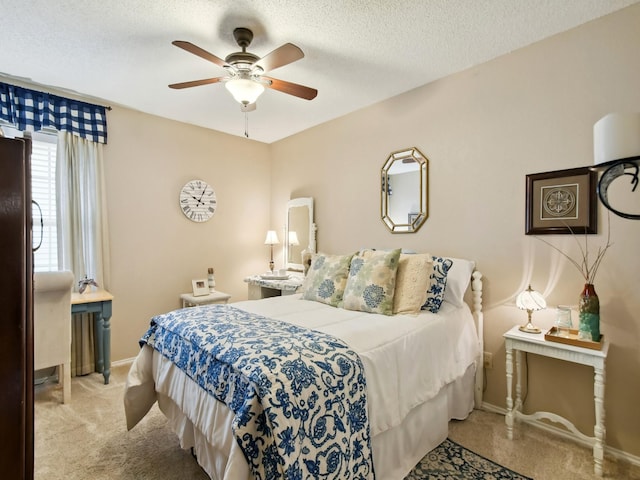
column 531, row 301
column 293, row 239
column 271, row 240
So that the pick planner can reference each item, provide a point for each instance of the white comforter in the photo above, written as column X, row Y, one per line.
column 407, row 359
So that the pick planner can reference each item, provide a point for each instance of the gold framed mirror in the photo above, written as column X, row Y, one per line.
column 404, row 205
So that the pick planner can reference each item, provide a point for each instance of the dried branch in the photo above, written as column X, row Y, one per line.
column 587, row 270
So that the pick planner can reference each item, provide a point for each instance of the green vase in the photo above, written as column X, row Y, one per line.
column 589, row 314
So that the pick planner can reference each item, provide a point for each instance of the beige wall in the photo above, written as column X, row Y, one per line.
column 483, row 130
column 155, row 250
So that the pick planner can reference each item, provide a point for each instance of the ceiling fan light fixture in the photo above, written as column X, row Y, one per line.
column 244, row 91
column 244, row 70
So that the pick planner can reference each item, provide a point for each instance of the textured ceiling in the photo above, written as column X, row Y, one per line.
column 356, row 52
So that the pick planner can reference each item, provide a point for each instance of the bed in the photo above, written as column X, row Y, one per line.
column 420, row 368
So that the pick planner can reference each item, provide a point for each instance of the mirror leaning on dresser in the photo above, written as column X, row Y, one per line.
column 300, row 232
column 299, row 246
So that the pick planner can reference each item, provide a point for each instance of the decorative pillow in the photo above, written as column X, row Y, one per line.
column 412, row 280
column 437, row 284
column 458, row 280
column 326, row 279
column 371, row 282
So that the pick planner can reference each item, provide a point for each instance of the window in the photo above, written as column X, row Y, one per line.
column 43, row 191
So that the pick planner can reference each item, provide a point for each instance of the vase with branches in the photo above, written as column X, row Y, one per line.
column 587, row 265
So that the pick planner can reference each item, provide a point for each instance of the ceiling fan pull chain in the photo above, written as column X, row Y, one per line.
column 246, row 124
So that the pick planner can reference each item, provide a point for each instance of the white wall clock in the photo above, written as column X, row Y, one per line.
column 198, row 201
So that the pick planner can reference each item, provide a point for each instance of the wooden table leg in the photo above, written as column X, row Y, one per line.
column 509, row 416
column 106, row 342
column 98, row 329
column 599, row 430
column 518, row 404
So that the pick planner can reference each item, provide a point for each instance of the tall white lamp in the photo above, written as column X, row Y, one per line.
column 271, row 240
column 531, row 301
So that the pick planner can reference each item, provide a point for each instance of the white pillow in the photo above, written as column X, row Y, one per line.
column 458, row 280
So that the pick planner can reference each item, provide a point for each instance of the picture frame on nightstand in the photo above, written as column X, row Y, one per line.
column 200, row 287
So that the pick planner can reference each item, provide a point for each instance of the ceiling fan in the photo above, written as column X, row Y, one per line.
column 245, row 79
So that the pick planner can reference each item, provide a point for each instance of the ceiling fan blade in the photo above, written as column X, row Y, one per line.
column 196, row 83
column 292, row 88
column 191, row 48
column 281, row 56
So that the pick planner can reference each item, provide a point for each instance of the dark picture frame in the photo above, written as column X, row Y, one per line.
column 561, row 202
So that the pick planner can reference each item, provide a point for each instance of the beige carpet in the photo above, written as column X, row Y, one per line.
column 87, row 439
column 533, row 452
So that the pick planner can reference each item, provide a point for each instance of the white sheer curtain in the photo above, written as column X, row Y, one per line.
column 83, row 233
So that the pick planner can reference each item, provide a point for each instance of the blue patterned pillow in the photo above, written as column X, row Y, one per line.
column 372, row 281
column 437, row 284
column 326, row 279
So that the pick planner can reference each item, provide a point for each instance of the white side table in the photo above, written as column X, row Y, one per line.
column 188, row 300
column 536, row 343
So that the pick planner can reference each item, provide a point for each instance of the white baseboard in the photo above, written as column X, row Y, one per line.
column 614, row 452
column 126, row 361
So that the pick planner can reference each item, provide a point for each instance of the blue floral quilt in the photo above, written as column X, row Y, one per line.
column 298, row 395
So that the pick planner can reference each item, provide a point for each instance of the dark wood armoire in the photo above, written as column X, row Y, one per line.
column 16, row 311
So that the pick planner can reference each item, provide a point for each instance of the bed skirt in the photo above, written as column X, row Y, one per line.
column 205, row 425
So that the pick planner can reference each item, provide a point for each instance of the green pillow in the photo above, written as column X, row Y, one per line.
column 372, row 281
column 326, row 279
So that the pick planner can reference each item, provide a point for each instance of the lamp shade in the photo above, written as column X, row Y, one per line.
column 530, row 300
column 616, row 136
column 293, row 238
column 244, row 91
column 272, row 238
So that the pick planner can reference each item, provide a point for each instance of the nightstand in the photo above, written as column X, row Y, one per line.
column 188, row 300
column 536, row 343
column 259, row 287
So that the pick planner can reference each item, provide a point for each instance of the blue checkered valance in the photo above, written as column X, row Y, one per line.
column 31, row 110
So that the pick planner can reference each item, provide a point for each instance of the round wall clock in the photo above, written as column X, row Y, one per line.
column 198, row 201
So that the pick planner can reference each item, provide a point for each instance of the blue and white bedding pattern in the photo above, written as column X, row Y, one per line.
column 298, row 395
